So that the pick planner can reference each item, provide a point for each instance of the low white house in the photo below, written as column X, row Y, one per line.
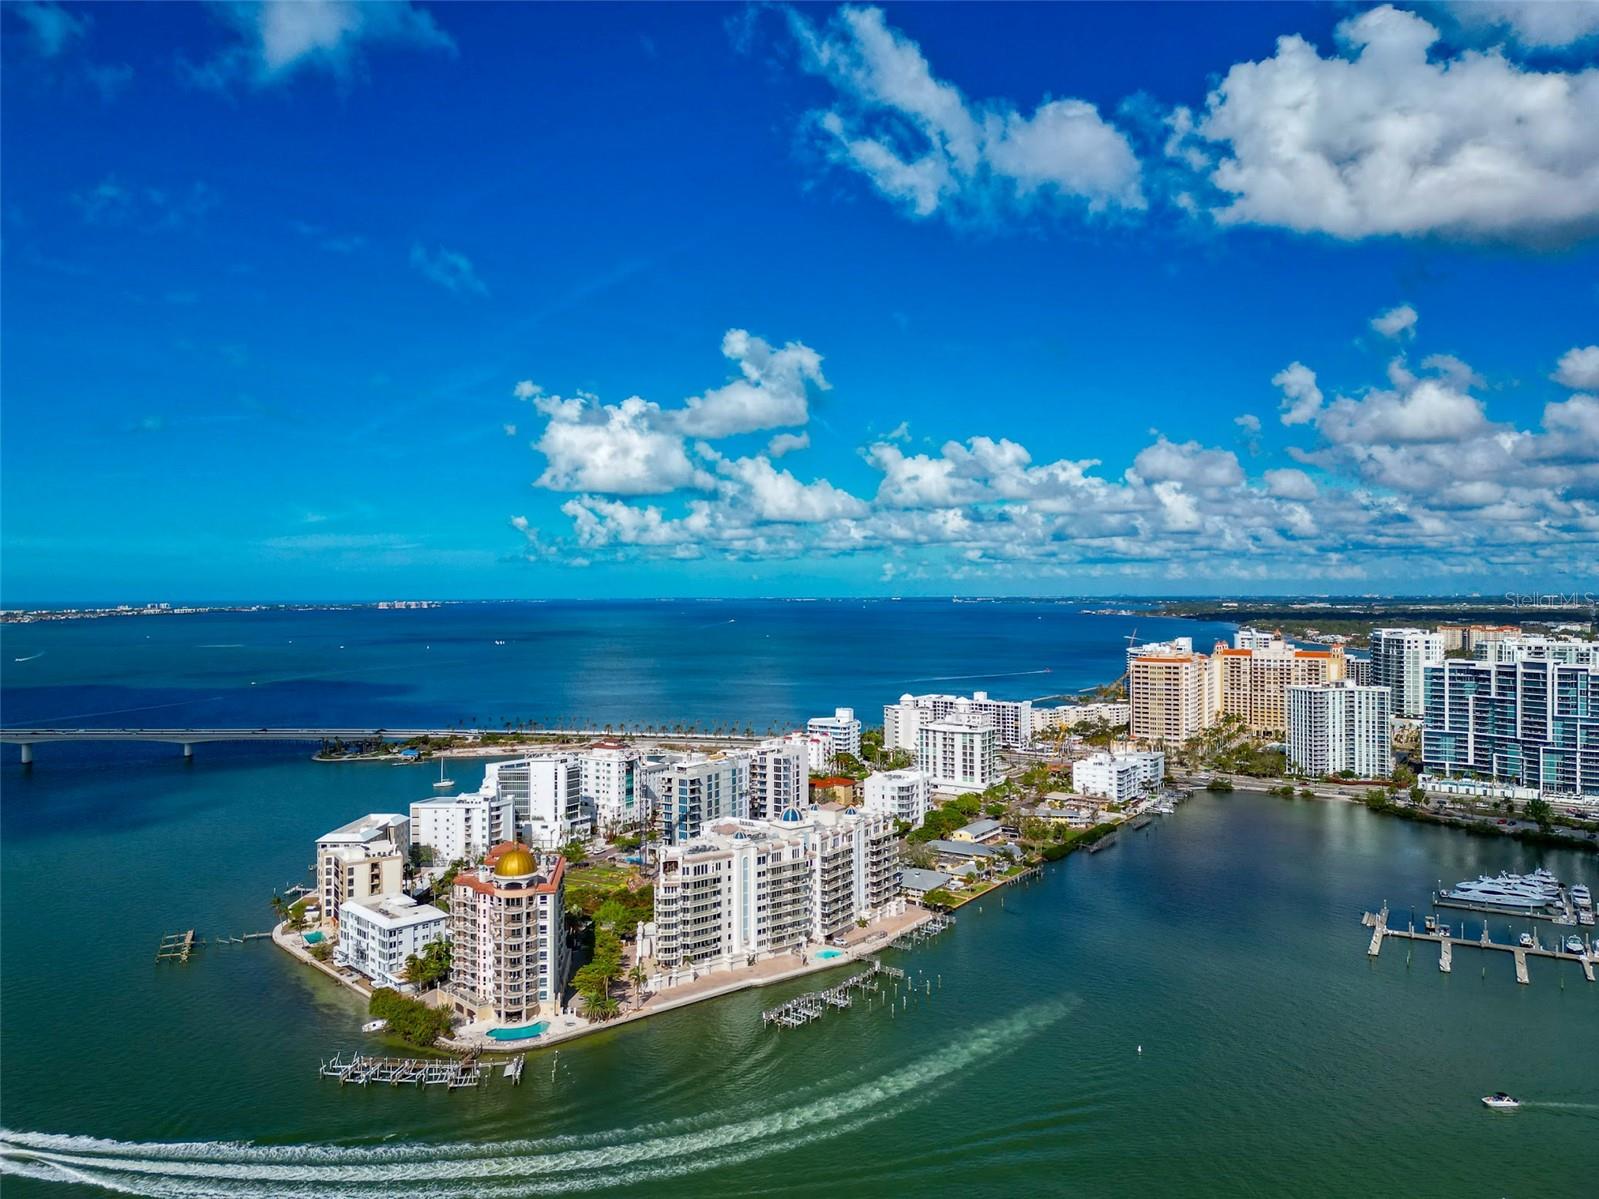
column 377, row 935
column 1118, row 777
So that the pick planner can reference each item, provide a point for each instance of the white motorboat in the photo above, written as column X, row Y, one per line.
column 374, row 1026
column 1581, row 897
column 1505, row 892
column 1574, row 944
column 1525, row 940
column 1501, row 1102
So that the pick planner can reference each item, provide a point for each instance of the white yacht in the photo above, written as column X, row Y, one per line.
column 1525, row 940
column 1505, row 892
column 1499, row 1101
column 1574, row 944
column 1581, row 897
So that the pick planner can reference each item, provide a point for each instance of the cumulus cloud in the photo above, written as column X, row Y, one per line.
column 1248, row 422
column 923, row 145
column 787, row 443
column 1387, row 138
column 450, row 269
column 1396, row 322
column 770, row 394
column 1301, row 397
column 1543, row 24
column 1579, row 368
column 272, row 40
column 1405, row 474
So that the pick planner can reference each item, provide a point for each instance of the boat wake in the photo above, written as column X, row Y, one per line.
column 956, row 678
column 30, row 657
column 554, row 1165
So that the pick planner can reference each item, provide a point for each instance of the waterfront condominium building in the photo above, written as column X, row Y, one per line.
column 461, row 828
column 1254, row 682
column 1532, row 723
column 779, row 776
column 508, row 936
column 1177, row 647
column 1340, row 727
column 816, row 748
column 1171, row 697
column 700, row 789
column 609, row 785
column 364, row 858
column 900, row 793
column 378, row 934
column 841, row 729
column 745, row 889
column 957, row 753
column 1012, row 719
column 738, row 891
column 547, row 796
column 1358, row 670
column 1119, row 777
column 1398, row 659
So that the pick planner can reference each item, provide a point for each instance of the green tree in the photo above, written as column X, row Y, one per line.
column 1538, row 809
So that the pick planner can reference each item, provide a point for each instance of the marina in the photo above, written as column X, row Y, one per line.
column 451, row 1073
column 1538, row 895
column 1440, row 935
column 924, row 931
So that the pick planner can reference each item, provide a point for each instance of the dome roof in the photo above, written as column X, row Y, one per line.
column 790, row 816
column 516, row 862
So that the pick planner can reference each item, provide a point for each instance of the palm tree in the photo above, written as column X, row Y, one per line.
column 637, row 976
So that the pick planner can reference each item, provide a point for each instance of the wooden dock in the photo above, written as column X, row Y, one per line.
column 1378, row 923
column 176, row 947
column 802, row 1009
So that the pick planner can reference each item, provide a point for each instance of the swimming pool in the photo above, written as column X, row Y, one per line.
column 824, row 954
column 521, row 1033
column 314, row 938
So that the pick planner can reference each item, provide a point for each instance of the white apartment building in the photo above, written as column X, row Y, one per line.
column 1118, row 777
column 957, row 753
column 1248, row 638
column 462, row 828
column 900, row 793
column 1177, row 647
column 362, row 859
column 508, row 936
column 817, row 749
column 780, row 771
column 700, row 789
column 609, row 784
column 841, row 729
column 745, row 889
column 547, row 797
column 1399, row 658
column 1342, row 726
column 377, row 935
column 1568, row 651
column 1172, row 696
column 1070, row 716
column 1012, row 720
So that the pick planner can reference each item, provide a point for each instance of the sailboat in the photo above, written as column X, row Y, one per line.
column 443, row 784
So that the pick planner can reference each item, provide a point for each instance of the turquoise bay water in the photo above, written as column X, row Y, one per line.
column 1225, row 940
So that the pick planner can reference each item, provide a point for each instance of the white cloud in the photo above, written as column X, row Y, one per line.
column 1190, row 464
column 275, row 39
column 770, row 395
column 776, row 495
column 116, row 204
column 1301, row 397
column 1537, row 23
column 1396, row 322
column 787, row 443
column 612, row 448
column 527, row 390
column 51, row 28
column 1248, row 422
column 1383, row 139
column 1579, row 367
column 1290, row 484
column 922, row 144
column 448, row 268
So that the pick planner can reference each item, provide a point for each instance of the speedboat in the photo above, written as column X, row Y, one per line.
column 1499, row 1101
column 1525, row 940
column 374, row 1026
column 1574, row 944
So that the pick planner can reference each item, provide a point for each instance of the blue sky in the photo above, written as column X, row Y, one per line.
column 325, row 300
